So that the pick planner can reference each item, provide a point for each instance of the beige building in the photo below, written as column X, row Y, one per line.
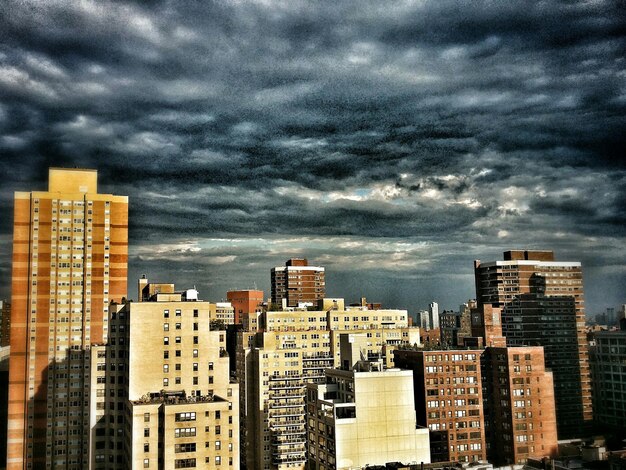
column 292, row 349
column 223, row 312
column 363, row 415
column 162, row 397
column 70, row 247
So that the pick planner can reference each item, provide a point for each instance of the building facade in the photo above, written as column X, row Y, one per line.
column 520, row 414
column 292, row 349
column 608, row 359
column 449, row 401
column 245, row 302
column 297, row 283
column 70, row 247
column 349, row 426
column 542, row 303
column 161, row 392
column 455, row 326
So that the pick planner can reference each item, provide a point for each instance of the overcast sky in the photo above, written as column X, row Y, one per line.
column 391, row 142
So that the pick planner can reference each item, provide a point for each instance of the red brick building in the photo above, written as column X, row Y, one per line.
column 297, row 283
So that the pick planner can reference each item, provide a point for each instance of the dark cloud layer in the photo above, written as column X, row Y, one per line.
column 391, row 142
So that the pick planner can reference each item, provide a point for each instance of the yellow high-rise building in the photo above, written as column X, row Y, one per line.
column 70, row 247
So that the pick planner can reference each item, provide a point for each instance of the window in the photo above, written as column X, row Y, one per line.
column 146, row 417
column 146, row 447
column 166, row 382
column 166, row 368
column 146, row 432
column 186, row 416
column 190, row 447
column 146, row 463
column 178, row 340
column 178, row 326
column 195, row 367
column 166, row 313
column 166, row 327
column 184, row 432
column 195, row 340
column 166, row 340
column 195, row 353
column 184, row 463
column 166, row 354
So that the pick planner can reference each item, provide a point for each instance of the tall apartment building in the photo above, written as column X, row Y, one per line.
column 70, row 247
column 161, row 393
column 297, row 283
column 518, row 392
column 363, row 415
column 274, row 365
column 5, row 323
column 609, row 379
column 448, row 401
column 245, row 302
column 541, row 303
column 520, row 417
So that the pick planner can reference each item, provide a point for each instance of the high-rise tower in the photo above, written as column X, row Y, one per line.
column 70, row 258
column 541, row 304
column 297, row 283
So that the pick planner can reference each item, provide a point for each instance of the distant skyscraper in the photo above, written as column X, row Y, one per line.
column 70, row 248
column 541, row 303
column 433, row 315
column 297, row 283
column 423, row 319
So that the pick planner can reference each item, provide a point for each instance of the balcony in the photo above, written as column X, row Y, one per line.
column 292, row 386
column 276, row 378
column 282, row 396
column 279, row 424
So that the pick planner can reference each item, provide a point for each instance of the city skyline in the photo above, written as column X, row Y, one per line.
column 392, row 145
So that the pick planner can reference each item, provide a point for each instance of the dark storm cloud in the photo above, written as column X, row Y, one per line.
column 471, row 127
